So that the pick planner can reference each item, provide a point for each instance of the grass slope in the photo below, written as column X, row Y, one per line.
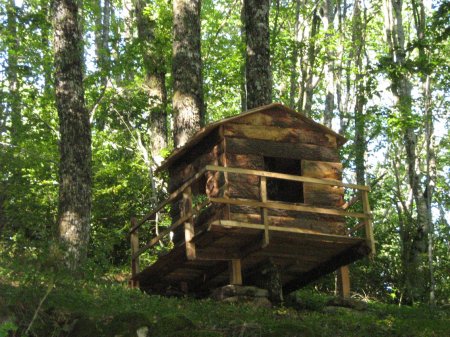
column 105, row 309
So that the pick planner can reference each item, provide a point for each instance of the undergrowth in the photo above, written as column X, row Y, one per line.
column 38, row 303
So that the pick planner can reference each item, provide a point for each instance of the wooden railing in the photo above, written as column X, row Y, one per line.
column 188, row 212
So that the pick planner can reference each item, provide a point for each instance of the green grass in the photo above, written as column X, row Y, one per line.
column 101, row 307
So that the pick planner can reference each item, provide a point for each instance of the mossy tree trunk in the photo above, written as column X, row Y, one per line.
column 75, row 134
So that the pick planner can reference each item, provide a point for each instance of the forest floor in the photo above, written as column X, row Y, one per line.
column 34, row 304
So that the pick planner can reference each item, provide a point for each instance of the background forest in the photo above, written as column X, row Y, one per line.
column 375, row 71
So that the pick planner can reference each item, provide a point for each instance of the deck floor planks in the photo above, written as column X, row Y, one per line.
column 300, row 256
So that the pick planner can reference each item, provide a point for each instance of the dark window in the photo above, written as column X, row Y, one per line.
column 280, row 189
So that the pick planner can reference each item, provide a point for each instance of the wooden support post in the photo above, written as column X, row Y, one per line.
column 264, row 215
column 343, row 282
column 368, row 222
column 134, row 240
column 235, row 272
column 189, row 232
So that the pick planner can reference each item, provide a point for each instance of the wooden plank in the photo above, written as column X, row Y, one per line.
column 282, row 149
column 290, row 134
column 175, row 194
column 286, row 177
column 189, row 231
column 273, row 133
column 235, row 272
column 320, row 225
column 368, row 222
column 248, row 161
column 343, row 282
column 264, row 214
column 291, row 207
column 134, row 240
column 329, row 237
column 321, row 169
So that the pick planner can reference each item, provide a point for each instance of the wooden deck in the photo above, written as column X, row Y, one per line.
column 223, row 251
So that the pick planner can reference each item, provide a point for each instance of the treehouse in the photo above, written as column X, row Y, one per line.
column 266, row 184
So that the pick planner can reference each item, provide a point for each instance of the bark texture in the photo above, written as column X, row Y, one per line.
column 257, row 69
column 155, row 81
column 75, row 142
column 188, row 105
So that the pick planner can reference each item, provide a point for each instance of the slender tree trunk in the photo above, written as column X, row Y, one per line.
column 75, row 143
column 258, row 71
column 401, row 88
column 188, row 105
column 430, row 170
column 309, row 71
column 328, row 12
column 102, row 31
column 359, row 117
column 294, row 58
column 155, row 82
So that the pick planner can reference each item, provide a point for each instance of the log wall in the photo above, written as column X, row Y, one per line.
column 249, row 139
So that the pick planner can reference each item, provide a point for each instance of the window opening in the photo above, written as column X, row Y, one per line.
column 280, row 189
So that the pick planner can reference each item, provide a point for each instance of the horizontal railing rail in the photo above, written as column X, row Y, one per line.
column 188, row 211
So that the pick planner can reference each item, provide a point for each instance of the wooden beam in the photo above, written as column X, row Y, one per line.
column 368, row 222
column 289, row 207
column 331, row 237
column 343, row 282
column 265, row 217
column 134, row 240
column 172, row 197
column 284, row 176
column 172, row 227
column 189, row 231
column 235, row 272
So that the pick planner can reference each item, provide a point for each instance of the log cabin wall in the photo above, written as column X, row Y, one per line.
column 277, row 136
column 209, row 151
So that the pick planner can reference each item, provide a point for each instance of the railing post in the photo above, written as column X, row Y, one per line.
column 235, row 272
column 186, row 208
column 264, row 212
column 134, row 240
column 343, row 282
column 368, row 222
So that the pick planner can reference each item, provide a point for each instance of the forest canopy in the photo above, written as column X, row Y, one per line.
column 377, row 72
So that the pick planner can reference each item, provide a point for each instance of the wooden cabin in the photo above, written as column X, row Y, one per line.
column 266, row 184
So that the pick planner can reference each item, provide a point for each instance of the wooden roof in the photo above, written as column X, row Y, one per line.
column 202, row 133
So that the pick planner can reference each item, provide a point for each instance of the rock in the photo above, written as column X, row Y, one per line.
column 237, row 290
column 348, row 303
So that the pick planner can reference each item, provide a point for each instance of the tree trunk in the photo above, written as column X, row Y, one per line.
column 294, row 58
column 102, row 31
column 75, row 136
column 401, row 89
column 257, row 70
column 308, row 75
column 359, row 117
column 155, row 82
column 327, row 11
column 188, row 105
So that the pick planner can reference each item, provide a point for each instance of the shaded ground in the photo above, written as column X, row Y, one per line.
column 106, row 309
